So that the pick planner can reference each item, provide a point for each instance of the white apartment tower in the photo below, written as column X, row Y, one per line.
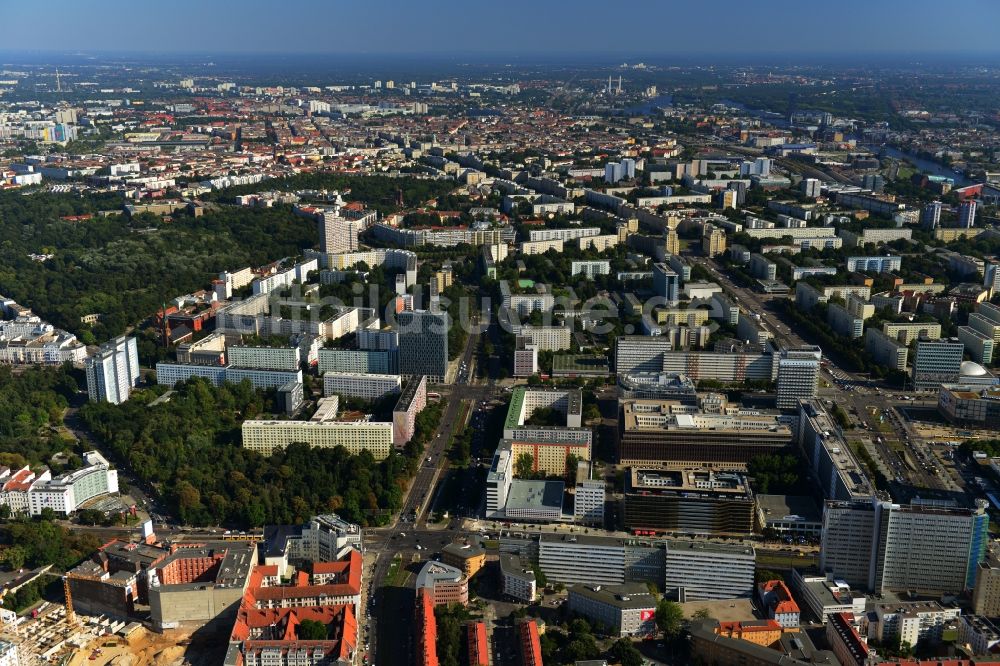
column 338, row 234
column 967, row 214
column 113, row 371
column 798, row 375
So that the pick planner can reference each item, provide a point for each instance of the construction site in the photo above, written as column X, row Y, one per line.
column 133, row 603
column 56, row 634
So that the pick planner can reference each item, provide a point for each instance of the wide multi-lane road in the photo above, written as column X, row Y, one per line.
column 892, row 439
column 386, row 630
column 753, row 302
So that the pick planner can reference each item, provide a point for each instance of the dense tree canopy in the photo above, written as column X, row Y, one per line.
column 41, row 542
column 378, row 192
column 31, row 405
column 125, row 269
column 190, row 449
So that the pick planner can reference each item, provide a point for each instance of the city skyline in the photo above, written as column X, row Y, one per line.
column 362, row 334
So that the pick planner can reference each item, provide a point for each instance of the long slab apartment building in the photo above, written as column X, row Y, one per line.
column 795, row 370
column 685, row 570
column 326, row 429
column 927, row 546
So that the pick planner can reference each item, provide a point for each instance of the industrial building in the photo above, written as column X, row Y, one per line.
column 198, row 583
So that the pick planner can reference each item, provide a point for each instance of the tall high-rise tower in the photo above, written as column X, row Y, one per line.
column 113, row 371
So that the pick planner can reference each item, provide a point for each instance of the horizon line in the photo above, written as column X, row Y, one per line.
column 588, row 55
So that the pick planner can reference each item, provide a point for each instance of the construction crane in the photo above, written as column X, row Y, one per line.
column 71, row 618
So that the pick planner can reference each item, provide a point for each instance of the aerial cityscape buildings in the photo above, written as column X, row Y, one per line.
column 532, row 359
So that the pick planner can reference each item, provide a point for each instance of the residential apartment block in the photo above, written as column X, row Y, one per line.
column 627, row 610
column 265, row 437
column 269, row 358
column 365, row 386
column 170, row 374
column 412, row 401
column 113, row 371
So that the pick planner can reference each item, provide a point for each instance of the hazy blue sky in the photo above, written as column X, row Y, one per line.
column 505, row 27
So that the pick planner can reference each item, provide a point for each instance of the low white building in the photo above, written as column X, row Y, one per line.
column 65, row 493
column 981, row 634
column 826, row 596
column 9, row 654
column 910, row 621
column 16, row 485
column 518, row 579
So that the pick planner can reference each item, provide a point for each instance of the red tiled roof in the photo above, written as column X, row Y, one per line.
column 426, row 629
column 20, row 481
column 531, row 646
column 749, row 626
column 786, row 604
column 479, row 650
column 842, row 624
column 286, row 621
